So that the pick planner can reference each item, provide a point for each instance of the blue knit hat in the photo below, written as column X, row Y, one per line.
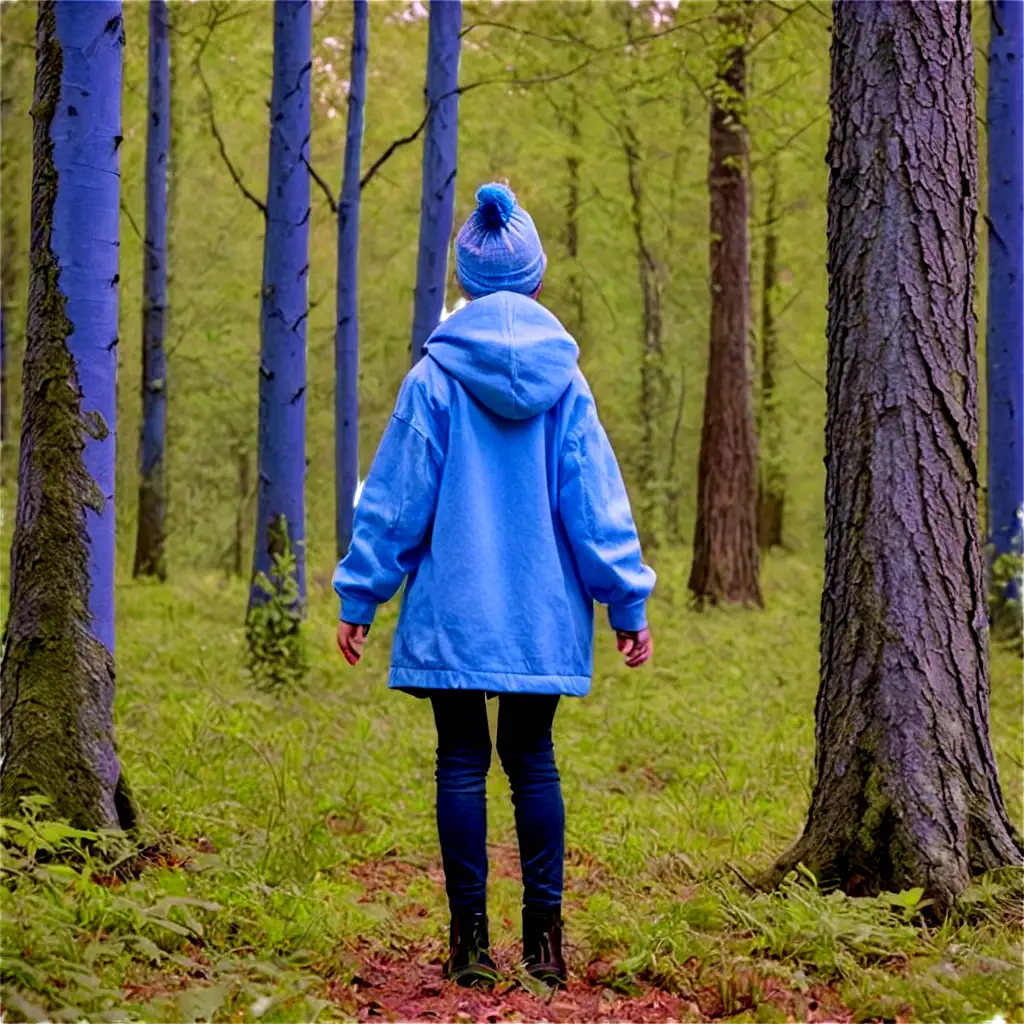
column 498, row 248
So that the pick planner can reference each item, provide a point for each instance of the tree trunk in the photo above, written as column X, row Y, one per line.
column 58, row 665
column 1005, row 349
column 674, row 493
column 149, row 544
column 9, row 248
column 906, row 792
column 572, row 207
column 571, row 23
column 653, row 386
column 437, row 206
column 771, row 494
column 281, row 458
column 725, row 556
column 346, row 400
column 673, row 478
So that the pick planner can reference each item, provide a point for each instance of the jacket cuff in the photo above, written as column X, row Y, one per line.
column 359, row 613
column 629, row 616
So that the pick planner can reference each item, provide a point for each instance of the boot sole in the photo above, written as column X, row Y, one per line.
column 474, row 977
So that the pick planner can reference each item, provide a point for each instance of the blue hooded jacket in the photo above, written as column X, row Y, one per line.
column 496, row 494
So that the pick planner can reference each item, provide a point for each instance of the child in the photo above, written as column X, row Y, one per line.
column 496, row 495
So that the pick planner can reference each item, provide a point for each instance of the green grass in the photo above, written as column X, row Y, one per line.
column 306, row 827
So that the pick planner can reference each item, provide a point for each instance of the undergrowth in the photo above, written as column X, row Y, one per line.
column 286, row 838
column 275, row 650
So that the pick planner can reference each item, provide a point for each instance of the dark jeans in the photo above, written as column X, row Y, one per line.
column 528, row 757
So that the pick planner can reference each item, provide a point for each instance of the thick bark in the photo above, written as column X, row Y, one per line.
column 725, row 555
column 346, row 337
column 771, row 493
column 1005, row 340
column 150, row 558
column 437, row 205
column 906, row 790
column 281, row 460
column 58, row 665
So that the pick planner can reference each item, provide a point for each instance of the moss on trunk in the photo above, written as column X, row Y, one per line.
column 57, row 678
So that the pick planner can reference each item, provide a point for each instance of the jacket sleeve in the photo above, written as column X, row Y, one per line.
column 392, row 521
column 595, row 512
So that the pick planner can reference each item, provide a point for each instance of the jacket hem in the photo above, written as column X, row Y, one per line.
column 402, row 678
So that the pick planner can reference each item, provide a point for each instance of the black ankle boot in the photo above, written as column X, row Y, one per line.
column 469, row 963
column 542, row 945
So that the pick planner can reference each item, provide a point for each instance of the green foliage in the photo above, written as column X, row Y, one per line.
column 298, row 820
column 275, row 649
column 656, row 86
column 79, row 942
column 307, row 820
column 33, row 833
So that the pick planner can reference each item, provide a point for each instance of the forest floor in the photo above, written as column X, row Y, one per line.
column 298, row 876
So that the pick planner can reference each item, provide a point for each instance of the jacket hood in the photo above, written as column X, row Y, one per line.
column 508, row 351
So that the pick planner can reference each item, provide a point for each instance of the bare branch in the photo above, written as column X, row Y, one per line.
column 215, row 131
column 778, row 25
column 405, row 140
column 386, row 155
column 218, row 16
column 524, row 83
column 809, row 4
column 131, row 220
column 655, row 36
column 807, row 373
column 559, row 40
column 796, row 135
column 331, row 201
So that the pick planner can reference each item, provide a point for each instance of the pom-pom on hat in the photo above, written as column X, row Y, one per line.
column 498, row 248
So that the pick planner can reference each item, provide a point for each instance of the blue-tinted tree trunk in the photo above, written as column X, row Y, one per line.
column 440, row 148
column 149, row 544
column 906, row 791
column 346, row 339
column 1005, row 348
column 58, row 666
column 281, row 460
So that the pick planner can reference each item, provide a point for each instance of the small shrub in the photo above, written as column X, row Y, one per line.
column 1004, row 601
column 276, row 657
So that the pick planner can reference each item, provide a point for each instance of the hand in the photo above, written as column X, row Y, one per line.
column 637, row 647
column 351, row 638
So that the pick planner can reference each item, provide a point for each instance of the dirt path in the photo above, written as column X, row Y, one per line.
column 411, row 989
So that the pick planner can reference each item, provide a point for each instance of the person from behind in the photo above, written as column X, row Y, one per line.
column 496, row 497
